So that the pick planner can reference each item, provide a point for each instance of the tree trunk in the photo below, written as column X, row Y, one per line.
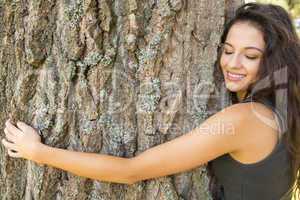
column 111, row 77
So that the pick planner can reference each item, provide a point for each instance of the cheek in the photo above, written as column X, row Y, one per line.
column 223, row 61
column 252, row 69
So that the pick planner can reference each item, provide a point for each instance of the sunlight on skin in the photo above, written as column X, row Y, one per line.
column 241, row 95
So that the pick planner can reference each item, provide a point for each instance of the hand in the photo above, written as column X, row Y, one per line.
column 21, row 141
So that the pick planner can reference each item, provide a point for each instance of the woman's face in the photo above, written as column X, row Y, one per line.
column 241, row 56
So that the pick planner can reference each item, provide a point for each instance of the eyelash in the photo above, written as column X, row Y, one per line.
column 251, row 58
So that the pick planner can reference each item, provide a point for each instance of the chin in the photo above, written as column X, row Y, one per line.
column 234, row 87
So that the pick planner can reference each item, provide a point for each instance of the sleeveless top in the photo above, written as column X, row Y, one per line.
column 267, row 179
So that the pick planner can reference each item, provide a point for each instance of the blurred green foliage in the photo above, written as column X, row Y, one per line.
column 292, row 6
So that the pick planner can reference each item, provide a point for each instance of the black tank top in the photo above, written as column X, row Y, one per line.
column 268, row 179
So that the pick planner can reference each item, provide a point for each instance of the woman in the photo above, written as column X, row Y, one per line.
column 258, row 144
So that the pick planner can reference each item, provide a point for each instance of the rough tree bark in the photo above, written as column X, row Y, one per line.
column 112, row 77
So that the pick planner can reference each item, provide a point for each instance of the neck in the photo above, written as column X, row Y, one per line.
column 241, row 95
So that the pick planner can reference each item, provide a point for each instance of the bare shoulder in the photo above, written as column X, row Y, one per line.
column 251, row 119
column 255, row 114
column 246, row 113
column 258, row 131
column 239, row 114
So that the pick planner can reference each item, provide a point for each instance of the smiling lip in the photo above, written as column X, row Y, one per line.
column 234, row 77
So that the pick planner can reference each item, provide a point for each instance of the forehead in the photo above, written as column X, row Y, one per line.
column 243, row 34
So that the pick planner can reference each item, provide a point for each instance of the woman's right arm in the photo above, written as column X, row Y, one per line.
column 197, row 147
column 225, row 132
column 219, row 134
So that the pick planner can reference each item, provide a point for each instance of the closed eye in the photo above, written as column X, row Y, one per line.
column 252, row 57
column 228, row 52
column 248, row 57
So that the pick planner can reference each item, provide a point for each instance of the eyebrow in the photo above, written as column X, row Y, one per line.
column 246, row 47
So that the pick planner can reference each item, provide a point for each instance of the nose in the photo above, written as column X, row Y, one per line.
column 234, row 61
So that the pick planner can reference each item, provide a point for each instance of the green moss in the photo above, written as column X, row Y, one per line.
column 118, row 134
column 200, row 113
column 149, row 54
column 146, row 55
column 176, row 4
column 156, row 83
column 105, row 120
column 155, row 41
column 43, row 120
column 148, row 103
column 201, row 181
column 109, row 51
column 164, row 8
column 102, row 95
column 80, row 63
column 74, row 13
column 87, row 126
column 70, row 70
column 150, row 96
column 92, row 58
column 106, row 60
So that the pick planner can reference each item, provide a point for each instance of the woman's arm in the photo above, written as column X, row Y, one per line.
column 91, row 165
column 221, row 133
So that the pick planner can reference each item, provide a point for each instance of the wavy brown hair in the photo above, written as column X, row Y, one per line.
column 279, row 73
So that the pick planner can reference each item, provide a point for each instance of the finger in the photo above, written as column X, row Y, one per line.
column 22, row 126
column 10, row 136
column 11, row 128
column 9, row 145
column 13, row 154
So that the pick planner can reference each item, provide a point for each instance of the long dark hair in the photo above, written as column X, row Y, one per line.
column 279, row 72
